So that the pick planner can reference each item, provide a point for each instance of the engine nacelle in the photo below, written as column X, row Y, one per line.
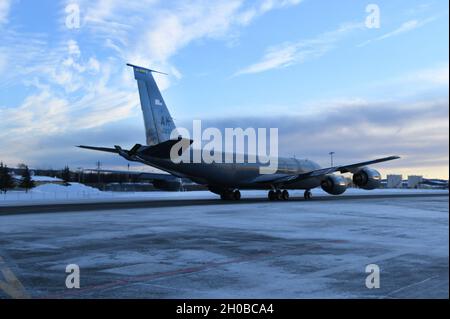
column 367, row 178
column 334, row 184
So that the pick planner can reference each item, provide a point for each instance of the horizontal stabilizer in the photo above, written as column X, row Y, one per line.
column 136, row 67
column 101, row 149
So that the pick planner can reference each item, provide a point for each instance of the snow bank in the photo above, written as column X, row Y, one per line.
column 79, row 193
column 39, row 178
column 72, row 188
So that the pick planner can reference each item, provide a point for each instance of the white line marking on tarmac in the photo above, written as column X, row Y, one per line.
column 12, row 287
column 409, row 286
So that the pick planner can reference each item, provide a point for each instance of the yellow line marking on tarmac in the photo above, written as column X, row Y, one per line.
column 12, row 287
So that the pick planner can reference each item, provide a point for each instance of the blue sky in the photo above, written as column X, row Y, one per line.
column 311, row 68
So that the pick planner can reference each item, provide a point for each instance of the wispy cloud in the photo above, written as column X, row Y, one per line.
column 72, row 88
column 404, row 28
column 151, row 33
column 5, row 6
column 246, row 16
column 416, row 130
column 435, row 76
column 188, row 22
column 431, row 80
column 287, row 54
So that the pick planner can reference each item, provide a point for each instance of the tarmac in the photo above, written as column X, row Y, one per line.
column 204, row 248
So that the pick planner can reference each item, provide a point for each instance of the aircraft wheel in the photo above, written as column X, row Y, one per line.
column 308, row 195
column 272, row 195
column 285, row 195
column 279, row 195
column 237, row 195
column 226, row 196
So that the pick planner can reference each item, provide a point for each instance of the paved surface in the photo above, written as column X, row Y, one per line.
column 159, row 203
column 253, row 249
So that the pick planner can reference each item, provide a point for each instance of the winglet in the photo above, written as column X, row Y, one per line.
column 144, row 70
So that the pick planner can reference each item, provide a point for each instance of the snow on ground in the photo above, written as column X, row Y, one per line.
column 292, row 250
column 72, row 188
column 76, row 193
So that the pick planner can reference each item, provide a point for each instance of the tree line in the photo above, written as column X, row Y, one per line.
column 7, row 181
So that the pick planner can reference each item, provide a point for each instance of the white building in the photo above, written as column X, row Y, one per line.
column 394, row 181
column 414, row 181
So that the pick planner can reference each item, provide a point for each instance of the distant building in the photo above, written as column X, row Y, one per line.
column 414, row 181
column 394, row 181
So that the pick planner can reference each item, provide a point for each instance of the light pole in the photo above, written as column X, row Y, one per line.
column 331, row 158
column 80, row 174
column 99, row 165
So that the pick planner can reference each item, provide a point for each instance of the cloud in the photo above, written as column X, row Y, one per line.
column 40, row 113
column 174, row 29
column 98, row 90
column 417, row 131
column 151, row 33
column 78, row 96
column 287, row 54
column 433, row 79
column 437, row 76
column 275, row 57
column 247, row 16
column 356, row 130
column 74, row 91
column 5, row 6
column 404, row 28
column 3, row 61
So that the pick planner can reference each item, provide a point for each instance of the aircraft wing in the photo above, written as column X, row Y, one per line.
column 328, row 170
column 350, row 168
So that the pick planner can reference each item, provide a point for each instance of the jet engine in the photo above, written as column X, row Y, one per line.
column 367, row 178
column 334, row 184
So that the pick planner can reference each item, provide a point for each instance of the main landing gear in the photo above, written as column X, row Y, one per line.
column 307, row 195
column 231, row 195
column 278, row 195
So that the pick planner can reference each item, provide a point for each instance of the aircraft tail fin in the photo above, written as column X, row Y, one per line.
column 157, row 119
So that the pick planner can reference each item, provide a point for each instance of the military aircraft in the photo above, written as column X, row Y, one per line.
column 227, row 179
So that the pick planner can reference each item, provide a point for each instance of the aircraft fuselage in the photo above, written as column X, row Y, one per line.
column 237, row 175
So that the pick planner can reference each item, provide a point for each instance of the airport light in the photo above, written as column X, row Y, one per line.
column 331, row 157
column 80, row 174
column 99, row 165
